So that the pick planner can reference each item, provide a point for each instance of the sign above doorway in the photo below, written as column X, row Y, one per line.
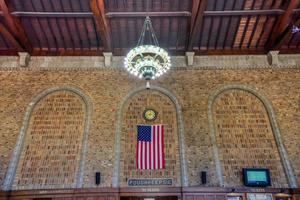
column 150, row 182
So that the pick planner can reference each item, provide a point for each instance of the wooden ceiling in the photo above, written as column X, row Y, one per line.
column 91, row 27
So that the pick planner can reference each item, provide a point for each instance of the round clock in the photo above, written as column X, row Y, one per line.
column 150, row 114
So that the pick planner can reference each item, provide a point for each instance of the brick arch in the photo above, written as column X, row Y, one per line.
column 14, row 162
column 274, row 126
column 183, row 166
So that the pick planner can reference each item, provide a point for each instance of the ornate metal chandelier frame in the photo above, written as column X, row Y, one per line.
column 147, row 61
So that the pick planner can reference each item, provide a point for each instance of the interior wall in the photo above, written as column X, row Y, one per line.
column 108, row 88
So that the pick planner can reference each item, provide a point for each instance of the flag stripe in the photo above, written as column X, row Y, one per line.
column 143, row 155
column 156, row 149
column 158, row 145
column 140, row 156
column 148, row 155
column 154, row 145
column 163, row 146
column 152, row 149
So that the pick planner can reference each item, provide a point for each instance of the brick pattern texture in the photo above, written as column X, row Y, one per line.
column 108, row 88
column 245, row 138
column 51, row 153
column 133, row 115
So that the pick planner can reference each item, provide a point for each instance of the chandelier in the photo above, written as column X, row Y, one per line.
column 295, row 29
column 147, row 61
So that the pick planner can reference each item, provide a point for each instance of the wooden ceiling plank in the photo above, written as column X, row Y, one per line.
column 282, row 27
column 254, row 31
column 87, row 25
column 228, row 25
column 242, row 42
column 196, row 25
column 219, row 27
column 266, row 19
column 74, row 23
column 42, row 24
column 14, row 27
column 244, row 32
column 257, row 18
column 98, row 9
column 230, row 52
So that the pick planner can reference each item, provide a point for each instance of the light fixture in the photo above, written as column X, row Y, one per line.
column 147, row 61
column 295, row 29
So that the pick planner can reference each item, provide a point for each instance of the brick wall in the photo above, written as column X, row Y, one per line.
column 245, row 138
column 108, row 88
column 51, row 151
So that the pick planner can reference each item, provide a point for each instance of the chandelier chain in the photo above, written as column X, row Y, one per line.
column 148, row 27
column 147, row 61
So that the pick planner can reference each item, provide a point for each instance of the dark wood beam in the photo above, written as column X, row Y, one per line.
column 198, row 9
column 243, row 12
column 98, row 9
column 122, row 52
column 255, row 51
column 282, row 26
column 14, row 27
column 151, row 14
column 8, row 52
column 10, row 38
column 64, row 52
column 53, row 14
column 195, row 8
column 287, row 34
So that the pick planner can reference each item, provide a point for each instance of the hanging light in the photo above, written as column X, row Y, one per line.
column 147, row 61
column 295, row 29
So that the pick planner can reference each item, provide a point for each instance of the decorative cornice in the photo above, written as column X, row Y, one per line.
column 92, row 63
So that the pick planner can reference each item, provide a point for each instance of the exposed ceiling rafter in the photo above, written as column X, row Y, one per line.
column 198, row 9
column 98, row 9
column 283, row 26
column 13, row 30
column 10, row 38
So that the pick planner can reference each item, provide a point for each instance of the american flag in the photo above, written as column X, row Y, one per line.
column 150, row 147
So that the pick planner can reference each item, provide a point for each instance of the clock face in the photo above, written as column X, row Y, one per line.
column 150, row 114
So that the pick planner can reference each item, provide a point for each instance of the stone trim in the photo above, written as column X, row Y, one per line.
column 275, row 129
column 11, row 171
column 222, row 62
column 24, row 58
column 116, row 172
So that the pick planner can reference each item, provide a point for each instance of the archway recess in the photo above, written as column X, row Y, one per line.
column 59, row 102
column 183, row 166
column 274, row 129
